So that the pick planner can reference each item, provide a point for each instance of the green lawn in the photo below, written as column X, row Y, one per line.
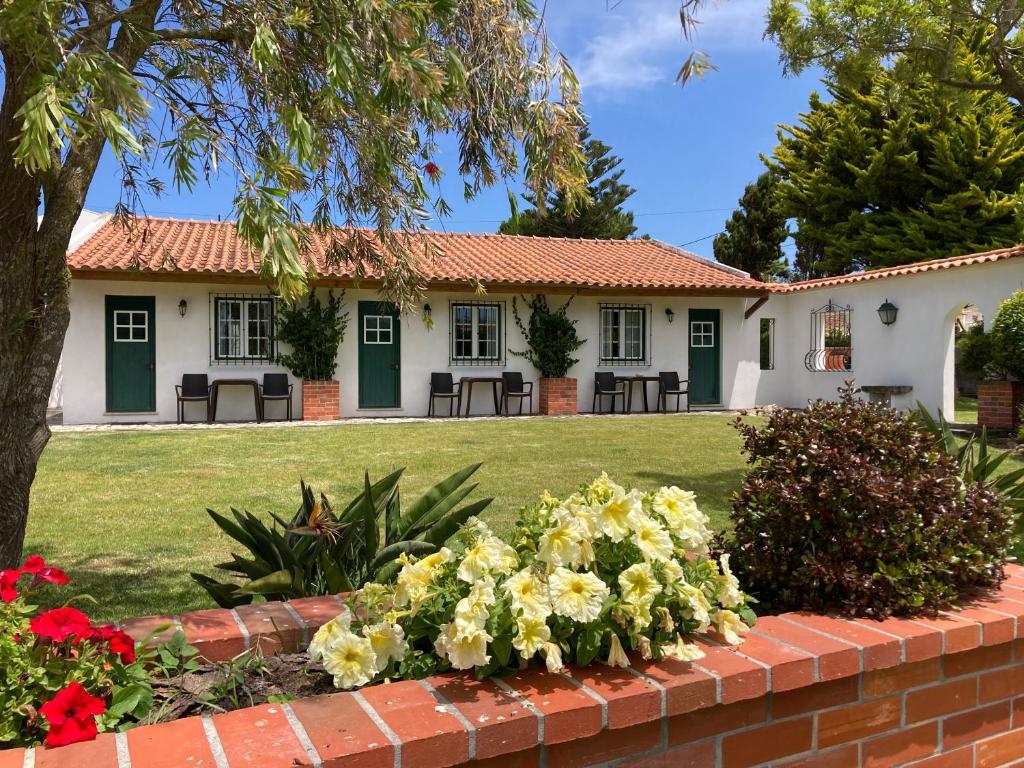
column 966, row 410
column 124, row 512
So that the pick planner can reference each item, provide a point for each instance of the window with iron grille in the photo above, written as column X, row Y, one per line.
column 242, row 329
column 767, row 343
column 831, row 347
column 476, row 333
column 625, row 338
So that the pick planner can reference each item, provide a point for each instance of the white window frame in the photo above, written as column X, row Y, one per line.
column 475, row 357
column 632, row 345
column 131, row 325
column 378, row 329
column 244, row 338
column 704, row 330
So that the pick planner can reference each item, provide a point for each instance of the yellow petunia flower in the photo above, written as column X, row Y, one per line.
column 577, row 596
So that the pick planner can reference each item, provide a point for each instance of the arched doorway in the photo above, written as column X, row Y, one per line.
column 967, row 320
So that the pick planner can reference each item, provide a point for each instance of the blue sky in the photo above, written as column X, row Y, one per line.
column 688, row 151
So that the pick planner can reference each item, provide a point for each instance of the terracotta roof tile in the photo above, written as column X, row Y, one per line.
column 905, row 269
column 172, row 246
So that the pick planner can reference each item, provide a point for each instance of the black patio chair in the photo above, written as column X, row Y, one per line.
column 606, row 386
column 669, row 384
column 275, row 386
column 512, row 385
column 194, row 388
column 444, row 386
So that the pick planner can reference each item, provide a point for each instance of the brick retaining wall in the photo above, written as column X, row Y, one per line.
column 321, row 400
column 803, row 691
column 557, row 397
column 1000, row 403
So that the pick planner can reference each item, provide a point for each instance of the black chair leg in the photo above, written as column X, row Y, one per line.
column 451, row 404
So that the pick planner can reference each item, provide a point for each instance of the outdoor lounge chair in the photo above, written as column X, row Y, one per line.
column 606, row 386
column 512, row 385
column 442, row 385
column 669, row 384
column 275, row 386
column 194, row 388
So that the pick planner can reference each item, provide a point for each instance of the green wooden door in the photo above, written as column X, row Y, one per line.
column 705, row 357
column 380, row 356
column 131, row 354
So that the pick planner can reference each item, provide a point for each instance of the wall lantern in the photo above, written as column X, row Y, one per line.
column 887, row 312
column 182, row 307
column 670, row 314
column 426, row 310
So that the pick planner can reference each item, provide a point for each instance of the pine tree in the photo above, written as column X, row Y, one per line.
column 604, row 219
column 753, row 236
column 884, row 175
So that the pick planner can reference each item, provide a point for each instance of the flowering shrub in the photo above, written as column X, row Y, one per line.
column 63, row 678
column 603, row 571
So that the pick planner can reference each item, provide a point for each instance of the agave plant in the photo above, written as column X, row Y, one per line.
column 321, row 551
column 977, row 463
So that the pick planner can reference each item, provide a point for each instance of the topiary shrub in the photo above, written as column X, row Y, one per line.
column 1008, row 335
column 849, row 507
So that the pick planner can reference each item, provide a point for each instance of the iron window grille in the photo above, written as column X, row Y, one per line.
column 625, row 334
column 767, row 343
column 242, row 329
column 831, row 347
column 476, row 333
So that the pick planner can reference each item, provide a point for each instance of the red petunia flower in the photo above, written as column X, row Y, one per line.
column 8, row 580
column 61, row 624
column 72, row 715
column 123, row 645
column 43, row 572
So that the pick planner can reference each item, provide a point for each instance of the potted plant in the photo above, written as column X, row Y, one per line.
column 314, row 331
column 551, row 340
column 997, row 358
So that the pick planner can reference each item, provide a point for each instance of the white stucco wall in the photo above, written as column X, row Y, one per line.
column 183, row 346
column 916, row 350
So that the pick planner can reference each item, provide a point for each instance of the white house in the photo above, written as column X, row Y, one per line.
column 180, row 297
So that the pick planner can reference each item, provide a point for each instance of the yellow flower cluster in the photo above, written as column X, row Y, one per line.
column 601, row 569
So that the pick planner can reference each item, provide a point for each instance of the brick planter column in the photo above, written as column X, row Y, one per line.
column 321, row 400
column 999, row 404
column 557, row 397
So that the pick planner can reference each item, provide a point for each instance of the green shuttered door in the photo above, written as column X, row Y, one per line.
column 705, row 356
column 380, row 356
column 131, row 354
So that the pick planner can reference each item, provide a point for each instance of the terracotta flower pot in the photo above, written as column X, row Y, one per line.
column 321, row 400
column 557, row 397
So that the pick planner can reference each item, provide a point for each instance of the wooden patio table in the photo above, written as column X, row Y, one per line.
column 216, row 384
column 466, row 385
column 629, row 381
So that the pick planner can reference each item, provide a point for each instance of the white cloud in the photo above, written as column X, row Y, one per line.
column 638, row 43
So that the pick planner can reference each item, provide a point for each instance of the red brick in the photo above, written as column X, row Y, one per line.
column 99, row 753
column 569, row 713
column 605, row 746
column 820, row 696
column 741, row 677
column 1001, row 684
column 700, row 755
column 774, row 741
column 1018, row 712
column 958, row 635
column 885, row 681
column 260, row 736
column 12, row 758
column 961, row 758
column 503, row 724
column 214, row 633
column 899, row 747
column 835, row 658
column 316, row 611
column 631, row 700
column 970, row 662
column 1005, row 601
column 919, row 642
column 528, row 758
column 142, row 628
column 342, row 733
column 938, row 700
column 839, row 726
column 790, row 668
column 272, row 629
column 687, row 687
column 430, row 735
column 974, row 725
column 840, row 757
column 695, row 726
column 878, row 650
column 995, row 628
column 999, row 750
column 170, row 745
